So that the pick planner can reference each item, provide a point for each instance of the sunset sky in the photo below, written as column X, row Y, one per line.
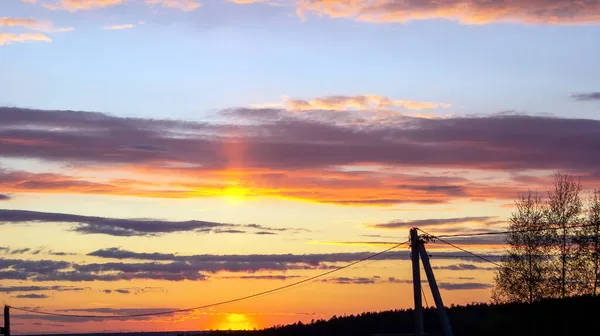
column 164, row 154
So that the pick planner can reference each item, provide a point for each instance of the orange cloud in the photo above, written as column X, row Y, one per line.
column 463, row 11
column 119, row 27
column 32, row 24
column 15, row 38
column 361, row 103
column 77, row 5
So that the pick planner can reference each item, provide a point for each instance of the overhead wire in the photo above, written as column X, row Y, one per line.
column 476, row 234
column 173, row 311
column 461, row 249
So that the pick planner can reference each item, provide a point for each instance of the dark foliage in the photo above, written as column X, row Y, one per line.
column 548, row 317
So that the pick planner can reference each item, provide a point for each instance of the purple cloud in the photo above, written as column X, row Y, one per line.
column 122, row 227
column 588, row 96
column 294, row 142
column 32, row 296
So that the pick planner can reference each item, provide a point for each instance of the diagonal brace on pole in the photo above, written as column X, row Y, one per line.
column 418, row 250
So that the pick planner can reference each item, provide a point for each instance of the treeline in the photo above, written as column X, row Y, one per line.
column 548, row 317
column 554, row 245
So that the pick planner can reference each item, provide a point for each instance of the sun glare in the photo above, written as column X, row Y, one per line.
column 235, row 193
column 236, row 322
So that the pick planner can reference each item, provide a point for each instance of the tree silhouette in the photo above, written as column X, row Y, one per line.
column 563, row 211
column 588, row 247
column 525, row 266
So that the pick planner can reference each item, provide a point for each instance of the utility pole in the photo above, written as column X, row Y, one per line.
column 6, row 329
column 435, row 291
column 416, row 270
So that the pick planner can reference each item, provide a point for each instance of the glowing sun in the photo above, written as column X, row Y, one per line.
column 236, row 322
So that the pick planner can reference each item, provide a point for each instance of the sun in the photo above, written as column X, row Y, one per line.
column 235, row 193
column 236, row 322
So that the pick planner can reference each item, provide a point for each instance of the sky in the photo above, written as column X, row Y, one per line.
column 165, row 154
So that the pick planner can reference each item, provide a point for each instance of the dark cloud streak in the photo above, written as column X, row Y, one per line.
column 124, row 227
column 589, row 96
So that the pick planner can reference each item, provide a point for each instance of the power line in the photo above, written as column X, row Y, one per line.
column 168, row 312
column 461, row 249
column 507, row 232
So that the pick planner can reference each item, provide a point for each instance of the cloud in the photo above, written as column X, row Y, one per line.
column 119, row 27
column 119, row 291
column 11, row 289
column 357, row 243
column 463, row 11
column 32, row 296
column 262, row 277
column 108, row 312
column 47, row 270
column 170, row 267
column 464, row 267
column 316, row 260
column 6, row 38
column 352, row 281
column 310, row 156
column 26, row 250
column 184, row 5
column 116, row 226
column 589, row 96
column 402, row 281
column 464, row 286
column 5, row 197
column 33, row 24
column 362, row 102
column 431, row 222
column 20, row 251
column 249, row 260
column 77, row 5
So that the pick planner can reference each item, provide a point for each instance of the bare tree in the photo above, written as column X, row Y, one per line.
column 588, row 247
column 563, row 211
column 524, row 271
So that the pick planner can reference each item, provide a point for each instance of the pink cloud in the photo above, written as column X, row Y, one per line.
column 464, row 11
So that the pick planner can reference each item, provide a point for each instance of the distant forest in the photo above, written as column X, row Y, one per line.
column 548, row 317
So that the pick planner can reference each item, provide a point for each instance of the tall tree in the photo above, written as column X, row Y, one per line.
column 588, row 247
column 563, row 211
column 524, row 271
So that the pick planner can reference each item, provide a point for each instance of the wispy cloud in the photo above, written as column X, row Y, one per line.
column 12, row 289
column 31, row 296
column 6, row 38
column 281, row 277
column 464, row 11
column 588, row 96
column 432, row 222
column 4, row 197
column 33, row 24
column 464, row 286
column 184, row 5
column 77, row 5
column 464, row 267
column 356, row 243
column 274, row 153
column 125, row 227
column 119, row 27
column 352, row 280
column 362, row 102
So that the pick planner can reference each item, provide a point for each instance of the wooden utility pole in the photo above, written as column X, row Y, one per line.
column 435, row 291
column 6, row 329
column 416, row 270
